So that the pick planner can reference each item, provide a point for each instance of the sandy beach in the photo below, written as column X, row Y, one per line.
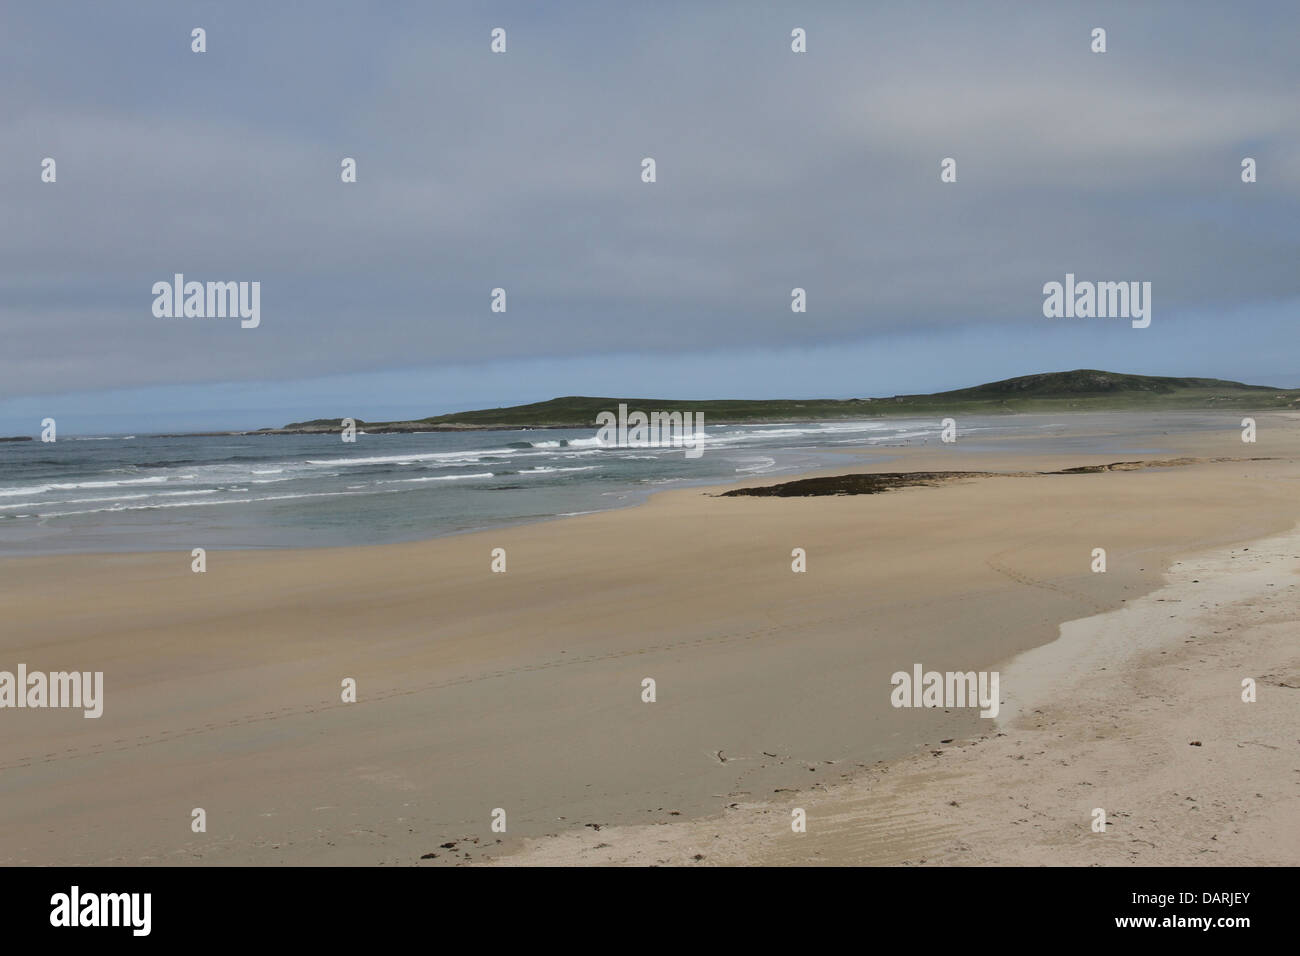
column 523, row 690
column 1137, row 712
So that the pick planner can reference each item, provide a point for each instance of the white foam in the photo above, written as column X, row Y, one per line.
column 465, row 456
column 73, row 486
column 571, row 443
column 758, row 465
column 202, row 504
column 407, row 481
column 546, row 470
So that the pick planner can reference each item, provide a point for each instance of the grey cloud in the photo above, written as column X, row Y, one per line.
column 522, row 171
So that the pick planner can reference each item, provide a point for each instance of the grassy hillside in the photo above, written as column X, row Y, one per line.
column 1079, row 390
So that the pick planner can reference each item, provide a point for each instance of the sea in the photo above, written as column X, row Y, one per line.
column 148, row 493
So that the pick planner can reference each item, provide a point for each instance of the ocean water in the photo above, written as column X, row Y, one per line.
column 145, row 493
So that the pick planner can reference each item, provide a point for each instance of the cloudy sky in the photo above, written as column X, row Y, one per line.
column 523, row 171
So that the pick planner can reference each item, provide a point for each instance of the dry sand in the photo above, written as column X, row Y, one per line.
column 523, row 690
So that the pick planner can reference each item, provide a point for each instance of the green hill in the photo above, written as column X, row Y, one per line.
column 1078, row 390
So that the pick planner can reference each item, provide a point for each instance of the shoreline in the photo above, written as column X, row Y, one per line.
column 752, row 486
column 870, row 460
column 1216, row 782
column 640, row 497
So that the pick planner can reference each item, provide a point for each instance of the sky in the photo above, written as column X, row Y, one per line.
column 522, row 170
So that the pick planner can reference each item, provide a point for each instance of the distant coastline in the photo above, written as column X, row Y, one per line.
column 1080, row 390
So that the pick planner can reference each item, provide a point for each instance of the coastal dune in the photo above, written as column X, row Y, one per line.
column 523, row 690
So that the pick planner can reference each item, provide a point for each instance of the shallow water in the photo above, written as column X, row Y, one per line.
column 143, row 493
